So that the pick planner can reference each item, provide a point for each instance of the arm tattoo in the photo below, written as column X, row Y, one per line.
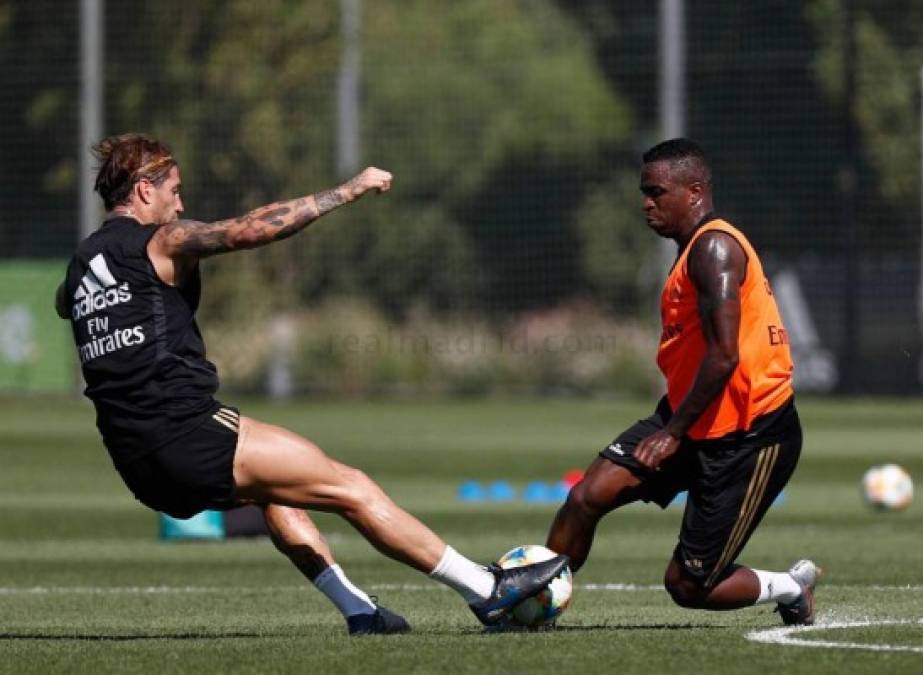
column 264, row 225
column 198, row 240
column 274, row 217
column 327, row 200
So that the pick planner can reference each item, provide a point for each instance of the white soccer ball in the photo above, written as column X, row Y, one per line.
column 548, row 605
column 888, row 487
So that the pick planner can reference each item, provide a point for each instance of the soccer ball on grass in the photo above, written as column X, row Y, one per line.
column 887, row 487
column 548, row 605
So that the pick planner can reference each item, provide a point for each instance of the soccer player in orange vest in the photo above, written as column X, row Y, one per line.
column 727, row 430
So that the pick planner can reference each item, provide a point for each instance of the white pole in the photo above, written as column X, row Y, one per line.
column 92, row 36
column 672, row 57
column 671, row 50
column 920, row 290
column 348, row 151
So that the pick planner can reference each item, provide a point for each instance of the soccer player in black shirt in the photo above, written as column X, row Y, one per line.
column 131, row 292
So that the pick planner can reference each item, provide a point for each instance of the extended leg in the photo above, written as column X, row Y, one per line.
column 605, row 486
column 275, row 466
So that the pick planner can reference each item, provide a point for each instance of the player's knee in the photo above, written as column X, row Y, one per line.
column 684, row 590
column 685, row 594
column 359, row 492
column 585, row 499
column 361, row 486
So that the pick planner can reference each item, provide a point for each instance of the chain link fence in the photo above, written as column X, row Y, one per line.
column 511, row 254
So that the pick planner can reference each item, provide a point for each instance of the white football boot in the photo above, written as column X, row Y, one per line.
column 801, row 611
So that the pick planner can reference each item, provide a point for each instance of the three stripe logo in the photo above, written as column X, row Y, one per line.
column 98, row 290
column 228, row 418
column 96, row 279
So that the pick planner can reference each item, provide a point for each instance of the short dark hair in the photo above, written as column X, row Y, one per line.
column 124, row 160
column 684, row 152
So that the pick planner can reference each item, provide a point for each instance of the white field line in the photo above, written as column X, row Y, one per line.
column 782, row 636
column 173, row 590
column 787, row 636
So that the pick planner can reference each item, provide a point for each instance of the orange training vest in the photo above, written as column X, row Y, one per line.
column 762, row 380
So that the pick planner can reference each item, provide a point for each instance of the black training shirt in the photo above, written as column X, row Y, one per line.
column 140, row 349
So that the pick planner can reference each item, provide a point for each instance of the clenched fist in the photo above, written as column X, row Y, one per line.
column 369, row 179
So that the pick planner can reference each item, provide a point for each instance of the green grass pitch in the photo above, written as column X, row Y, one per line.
column 86, row 587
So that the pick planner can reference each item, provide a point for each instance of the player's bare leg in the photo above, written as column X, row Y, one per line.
column 740, row 588
column 296, row 536
column 792, row 591
column 604, row 487
column 273, row 465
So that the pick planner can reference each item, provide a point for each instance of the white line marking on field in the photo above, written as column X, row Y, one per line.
column 784, row 636
column 580, row 587
column 112, row 590
column 167, row 590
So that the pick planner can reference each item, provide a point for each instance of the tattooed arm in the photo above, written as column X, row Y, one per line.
column 184, row 241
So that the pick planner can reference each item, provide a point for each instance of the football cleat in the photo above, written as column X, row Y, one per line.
column 382, row 622
column 801, row 611
column 515, row 584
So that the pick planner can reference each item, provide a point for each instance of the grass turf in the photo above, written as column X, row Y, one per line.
column 86, row 587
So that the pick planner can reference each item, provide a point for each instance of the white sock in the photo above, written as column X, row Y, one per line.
column 350, row 600
column 777, row 587
column 473, row 581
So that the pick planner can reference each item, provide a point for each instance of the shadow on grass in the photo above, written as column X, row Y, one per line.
column 648, row 626
column 127, row 638
column 101, row 637
column 600, row 627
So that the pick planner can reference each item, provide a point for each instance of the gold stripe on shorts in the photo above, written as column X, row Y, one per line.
column 228, row 414
column 228, row 418
column 756, row 490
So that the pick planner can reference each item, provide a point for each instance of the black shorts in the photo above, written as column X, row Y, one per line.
column 192, row 473
column 731, row 481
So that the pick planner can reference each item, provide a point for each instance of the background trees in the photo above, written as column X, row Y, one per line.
column 513, row 129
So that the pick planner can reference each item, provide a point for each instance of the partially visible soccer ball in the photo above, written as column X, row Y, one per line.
column 888, row 487
column 548, row 605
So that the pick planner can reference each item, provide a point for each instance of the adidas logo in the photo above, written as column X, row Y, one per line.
column 617, row 448
column 98, row 290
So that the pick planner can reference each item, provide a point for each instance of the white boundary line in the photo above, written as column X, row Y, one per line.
column 786, row 636
column 168, row 590
column 783, row 636
column 171, row 590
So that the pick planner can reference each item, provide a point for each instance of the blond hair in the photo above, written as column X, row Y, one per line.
column 124, row 160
